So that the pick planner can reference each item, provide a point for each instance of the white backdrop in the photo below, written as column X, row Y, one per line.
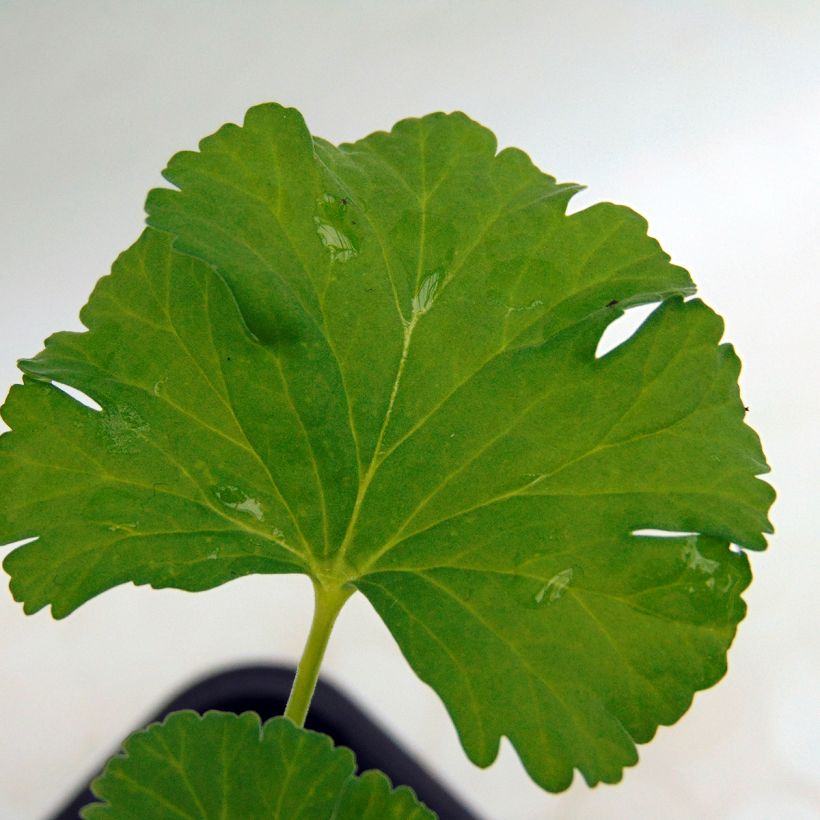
column 703, row 116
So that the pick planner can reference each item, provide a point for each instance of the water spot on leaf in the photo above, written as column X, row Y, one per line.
column 423, row 300
column 124, row 428
column 236, row 499
column 524, row 308
column 695, row 560
column 554, row 589
column 130, row 526
column 335, row 233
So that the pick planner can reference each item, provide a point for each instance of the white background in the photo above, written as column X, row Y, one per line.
column 704, row 116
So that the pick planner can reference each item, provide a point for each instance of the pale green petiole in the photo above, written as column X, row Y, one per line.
column 328, row 604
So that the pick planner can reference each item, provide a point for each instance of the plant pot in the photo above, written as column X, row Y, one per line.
column 265, row 690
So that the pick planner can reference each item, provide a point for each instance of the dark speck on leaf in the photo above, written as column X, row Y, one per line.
column 612, row 303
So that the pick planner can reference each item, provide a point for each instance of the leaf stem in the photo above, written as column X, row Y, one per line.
column 328, row 604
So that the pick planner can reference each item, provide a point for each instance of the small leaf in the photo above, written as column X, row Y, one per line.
column 230, row 767
column 375, row 364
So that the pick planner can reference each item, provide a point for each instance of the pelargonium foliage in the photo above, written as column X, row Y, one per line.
column 375, row 364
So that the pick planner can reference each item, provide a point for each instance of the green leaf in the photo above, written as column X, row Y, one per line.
column 228, row 766
column 382, row 372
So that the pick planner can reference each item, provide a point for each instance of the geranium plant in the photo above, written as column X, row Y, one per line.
column 375, row 364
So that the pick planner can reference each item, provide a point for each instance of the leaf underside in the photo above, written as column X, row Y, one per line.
column 375, row 364
column 228, row 766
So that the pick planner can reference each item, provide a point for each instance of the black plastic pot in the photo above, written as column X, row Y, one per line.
column 265, row 690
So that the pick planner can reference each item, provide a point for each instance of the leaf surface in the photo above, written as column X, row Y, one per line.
column 376, row 364
column 229, row 767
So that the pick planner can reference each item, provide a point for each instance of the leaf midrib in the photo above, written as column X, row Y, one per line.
column 378, row 458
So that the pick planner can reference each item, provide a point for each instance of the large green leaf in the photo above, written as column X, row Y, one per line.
column 229, row 767
column 383, row 373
